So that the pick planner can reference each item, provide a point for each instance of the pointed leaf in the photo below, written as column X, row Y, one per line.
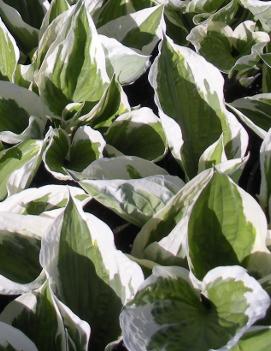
column 213, row 155
column 163, row 239
column 140, row 30
column 87, row 146
column 78, row 330
column 73, row 70
column 168, row 226
column 112, row 103
column 102, row 277
column 235, row 230
column 56, row 8
column 176, row 79
column 37, row 316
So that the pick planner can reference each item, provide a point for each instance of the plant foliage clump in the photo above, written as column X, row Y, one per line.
column 135, row 166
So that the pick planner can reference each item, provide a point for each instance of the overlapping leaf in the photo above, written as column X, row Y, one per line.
column 168, row 310
column 226, row 227
column 56, row 8
column 191, row 102
column 255, row 112
column 18, row 166
column 9, row 53
column 136, row 200
column 64, row 105
column 229, row 49
column 20, row 238
column 63, row 154
column 87, row 273
column 127, row 64
column 113, row 9
column 163, row 236
column 121, row 167
column 22, row 114
column 260, row 10
column 23, row 18
column 13, row 339
column 46, row 321
column 140, row 30
column 73, row 70
column 138, row 133
column 42, row 201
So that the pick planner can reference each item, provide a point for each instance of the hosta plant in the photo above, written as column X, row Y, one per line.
column 135, row 175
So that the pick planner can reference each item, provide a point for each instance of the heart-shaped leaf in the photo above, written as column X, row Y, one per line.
column 168, row 313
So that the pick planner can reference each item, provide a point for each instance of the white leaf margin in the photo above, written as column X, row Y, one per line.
column 257, row 299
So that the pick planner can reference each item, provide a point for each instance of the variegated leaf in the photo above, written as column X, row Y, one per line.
column 168, row 313
column 135, row 200
column 42, row 201
column 138, row 133
column 102, row 277
column 261, row 11
column 73, row 70
column 22, row 114
column 121, row 167
column 227, row 227
column 46, row 321
column 64, row 154
column 23, row 19
column 140, row 30
column 12, row 339
column 127, row 64
column 163, row 237
column 216, row 41
column 20, row 238
column 176, row 79
column 9, row 53
column 113, row 9
column 56, row 8
column 254, row 111
column 101, row 115
column 18, row 166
